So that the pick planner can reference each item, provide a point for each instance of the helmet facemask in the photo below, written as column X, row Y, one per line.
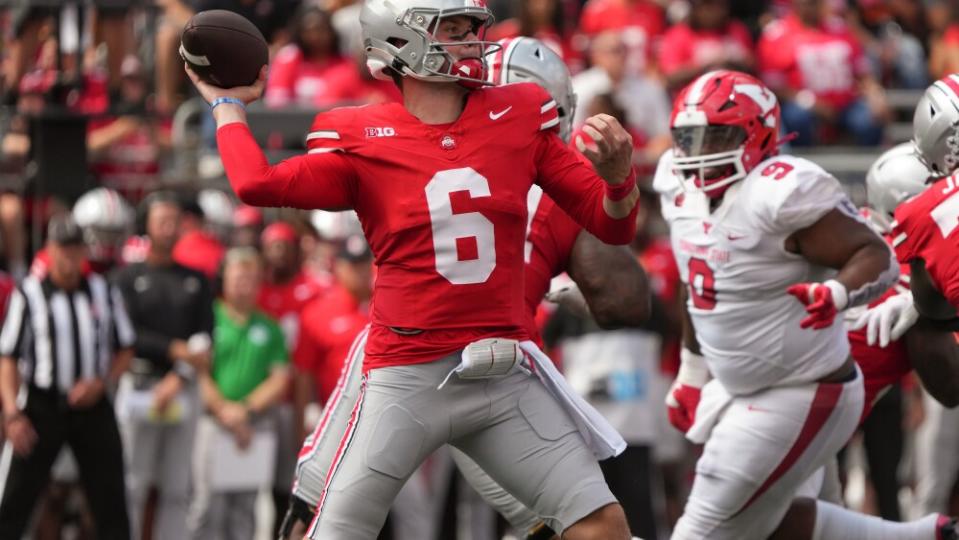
column 710, row 157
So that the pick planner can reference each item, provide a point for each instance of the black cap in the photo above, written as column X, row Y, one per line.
column 64, row 231
column 354, row 249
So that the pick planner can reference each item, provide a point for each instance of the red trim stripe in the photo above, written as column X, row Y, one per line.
column 823, row 404
column 338, row 457
column 952, row 84
column 311, row 442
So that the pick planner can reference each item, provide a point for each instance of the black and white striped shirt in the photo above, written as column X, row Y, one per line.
column 59, row 337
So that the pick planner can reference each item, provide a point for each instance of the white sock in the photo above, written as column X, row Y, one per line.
column 837, row 523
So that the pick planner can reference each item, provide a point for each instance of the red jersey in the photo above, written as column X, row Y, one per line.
column 297, row 79
column 881, row 366
column 284, row 302
column 200, row 251
column 442, row 207
column 926, row 228
column 549, row 243
column 825, row 60
column 329, row 325
column 684, row 47
column 640, row 21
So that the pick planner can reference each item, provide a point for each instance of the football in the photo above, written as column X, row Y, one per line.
column 223, row 48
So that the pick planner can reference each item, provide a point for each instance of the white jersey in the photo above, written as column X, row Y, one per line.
column 737, row 270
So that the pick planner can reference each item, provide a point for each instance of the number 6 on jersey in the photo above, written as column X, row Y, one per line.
column 455, row 234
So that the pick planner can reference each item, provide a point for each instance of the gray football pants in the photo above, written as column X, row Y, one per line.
column 511, row 426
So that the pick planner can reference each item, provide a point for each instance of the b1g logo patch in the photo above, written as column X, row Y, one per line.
column 380, row 132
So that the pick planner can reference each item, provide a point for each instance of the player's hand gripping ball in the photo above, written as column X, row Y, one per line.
column 223, row 48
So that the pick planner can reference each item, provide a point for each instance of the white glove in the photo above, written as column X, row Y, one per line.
column 889, row 320
column 570, row 297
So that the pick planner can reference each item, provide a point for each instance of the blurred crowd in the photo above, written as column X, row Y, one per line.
column 281, row 294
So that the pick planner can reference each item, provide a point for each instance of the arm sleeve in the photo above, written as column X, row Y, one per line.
column 14, row 326
column 318, row 180
column 579, row 191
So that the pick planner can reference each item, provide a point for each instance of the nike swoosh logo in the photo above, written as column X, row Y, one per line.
column 733, row 237
column 497, row 116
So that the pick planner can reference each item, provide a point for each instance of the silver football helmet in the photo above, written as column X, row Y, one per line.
column 897, row 175
column 527, row 59
column 935, row 126
column 106, row 219
column 400, row 35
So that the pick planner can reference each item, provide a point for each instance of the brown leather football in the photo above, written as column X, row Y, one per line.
column 223, row 48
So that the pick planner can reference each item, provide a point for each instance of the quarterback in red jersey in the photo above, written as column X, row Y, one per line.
column 610, row 282
column 439, row 184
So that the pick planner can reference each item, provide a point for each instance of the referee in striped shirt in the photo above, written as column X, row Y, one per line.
column 66, row 338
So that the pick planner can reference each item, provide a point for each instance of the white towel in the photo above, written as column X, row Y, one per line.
column 604, row 441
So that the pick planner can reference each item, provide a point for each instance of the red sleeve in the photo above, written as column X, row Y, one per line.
column 280, row 85
column 319, row 180
column 674, row 49
column 579, row 191
column 308, row 354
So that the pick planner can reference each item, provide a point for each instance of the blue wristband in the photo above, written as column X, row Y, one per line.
column 222, row 100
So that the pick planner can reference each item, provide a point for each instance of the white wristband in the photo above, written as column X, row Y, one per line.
column 840, row 297
column 692, row 369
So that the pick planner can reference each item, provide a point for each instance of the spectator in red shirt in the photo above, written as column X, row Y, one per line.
column 544, row 20
column 247, row 226
column 330, row 323
column 818, row 69
column 310, row 71
column 709, row 39
column 286, row 289
column 197, row 248
column 641, row 23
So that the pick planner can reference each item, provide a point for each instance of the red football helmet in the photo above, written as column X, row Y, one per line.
column 723, row 124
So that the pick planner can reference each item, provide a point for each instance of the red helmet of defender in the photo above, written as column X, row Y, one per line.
column 723, row 125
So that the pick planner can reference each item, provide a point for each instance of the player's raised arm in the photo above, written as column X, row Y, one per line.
column 313, row 181
column 604, row 203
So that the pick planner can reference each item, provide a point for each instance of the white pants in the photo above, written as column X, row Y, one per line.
column 159, row 455
column 761, row 450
